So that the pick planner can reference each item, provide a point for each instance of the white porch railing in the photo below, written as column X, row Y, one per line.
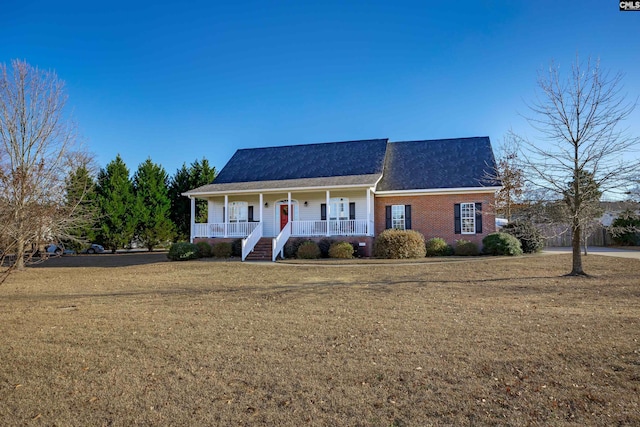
column 221, row 229
column 350, row 227
column 279, row 242
column 250, row 242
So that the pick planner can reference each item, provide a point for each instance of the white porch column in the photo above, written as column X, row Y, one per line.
column 211, row 211
column 328, row 208
column 261, row 206
column 289, row 210
column 193, row 218
column 369, row 232
column 226, row 213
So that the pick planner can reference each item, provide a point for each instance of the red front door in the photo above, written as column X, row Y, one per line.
column 284, row 215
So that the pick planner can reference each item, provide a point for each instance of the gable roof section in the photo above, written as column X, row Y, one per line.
column 332, row 164
column 305, row 161
column 438, row 164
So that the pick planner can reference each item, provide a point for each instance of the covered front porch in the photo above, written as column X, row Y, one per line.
column 250, row 216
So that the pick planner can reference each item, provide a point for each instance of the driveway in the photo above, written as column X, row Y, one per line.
column 598, row 250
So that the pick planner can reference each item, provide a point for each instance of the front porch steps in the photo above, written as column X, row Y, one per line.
column 262, row 251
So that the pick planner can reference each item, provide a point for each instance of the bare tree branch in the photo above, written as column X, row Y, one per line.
column 38, row 149
column 578, row 119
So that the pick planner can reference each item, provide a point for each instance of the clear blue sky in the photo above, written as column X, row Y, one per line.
column 176, row 81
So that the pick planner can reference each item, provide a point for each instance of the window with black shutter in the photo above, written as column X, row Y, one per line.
column 467, row 218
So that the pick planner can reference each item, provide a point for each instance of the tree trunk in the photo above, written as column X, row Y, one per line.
column 577, row 254
column 19, row 265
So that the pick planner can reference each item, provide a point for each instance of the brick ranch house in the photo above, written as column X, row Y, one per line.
column 349, row 191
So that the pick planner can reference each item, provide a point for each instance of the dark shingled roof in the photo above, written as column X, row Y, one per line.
column 438, row 164
column 305, row 161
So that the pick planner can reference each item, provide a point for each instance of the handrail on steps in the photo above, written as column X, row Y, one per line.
column 251, row 241
column 280, row 241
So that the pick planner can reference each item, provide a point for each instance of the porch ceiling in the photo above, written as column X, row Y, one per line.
column 323, row 183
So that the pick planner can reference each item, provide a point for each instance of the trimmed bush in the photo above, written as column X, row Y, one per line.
column 529, row 236
column 183, row 251
column 466, row 248
column 501, row 244
column 205, row 249
column 437, row 246
column 399, row 244
column 291, row 247
column 342, row 250
column 324, row 245
column 236, row 248
column 308, row 250
column 222, row 250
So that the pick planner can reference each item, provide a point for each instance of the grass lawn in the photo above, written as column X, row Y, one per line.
column 124, row 341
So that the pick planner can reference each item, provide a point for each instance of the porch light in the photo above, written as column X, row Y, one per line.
column 306, row 203
column 266, row 204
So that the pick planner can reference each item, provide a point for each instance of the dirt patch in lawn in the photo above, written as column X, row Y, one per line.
column 491, row 342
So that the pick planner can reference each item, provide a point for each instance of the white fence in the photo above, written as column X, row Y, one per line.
column 351, row 227
column 221, row 229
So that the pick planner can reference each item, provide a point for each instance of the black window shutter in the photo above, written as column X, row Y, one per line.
column 456, row 219
column 387, row 215
column 478, row 217
column 352, row 210
column 224, row 218
column 323, row 211
column 407, row 217
column 250, row 214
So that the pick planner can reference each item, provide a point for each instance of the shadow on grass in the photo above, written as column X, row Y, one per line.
column 103, row 260
column 290, row 290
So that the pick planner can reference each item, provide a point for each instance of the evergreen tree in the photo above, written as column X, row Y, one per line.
column 582, row 198
column 152, row 205
column 180, row 205
column 81, row 199
column 116, row 205
column 199, row 173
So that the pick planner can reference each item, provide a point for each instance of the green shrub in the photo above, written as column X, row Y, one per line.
column 501, row 244
column 183, row 251
column 204, row 249
column 466, row 248
column 399, row 244
column 308, row 250
column 236, row 248
column 342, row 250
column 437, row 246
column 324, row 245
column 222, row 250
column 625, row 229
column 529, row 236
column 291, row 247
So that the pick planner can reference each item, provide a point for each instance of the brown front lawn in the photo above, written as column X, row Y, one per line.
column 487, row 342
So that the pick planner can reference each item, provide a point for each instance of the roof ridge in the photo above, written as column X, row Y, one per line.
column 440, row 139
column 314, row 143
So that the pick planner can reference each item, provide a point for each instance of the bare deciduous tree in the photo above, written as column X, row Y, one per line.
column 510, row 174
column 38, row 150
column 580, row 117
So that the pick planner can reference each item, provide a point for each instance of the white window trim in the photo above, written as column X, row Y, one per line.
column 339, row 205
column 395, row 221
column 468, row 218
column 238, row 212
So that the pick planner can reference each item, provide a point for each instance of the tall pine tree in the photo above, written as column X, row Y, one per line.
column 153, row 206
column 116, row 203
column 197, row 174
column 81, row 199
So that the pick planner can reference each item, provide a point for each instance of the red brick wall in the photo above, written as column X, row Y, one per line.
column 432, row 215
